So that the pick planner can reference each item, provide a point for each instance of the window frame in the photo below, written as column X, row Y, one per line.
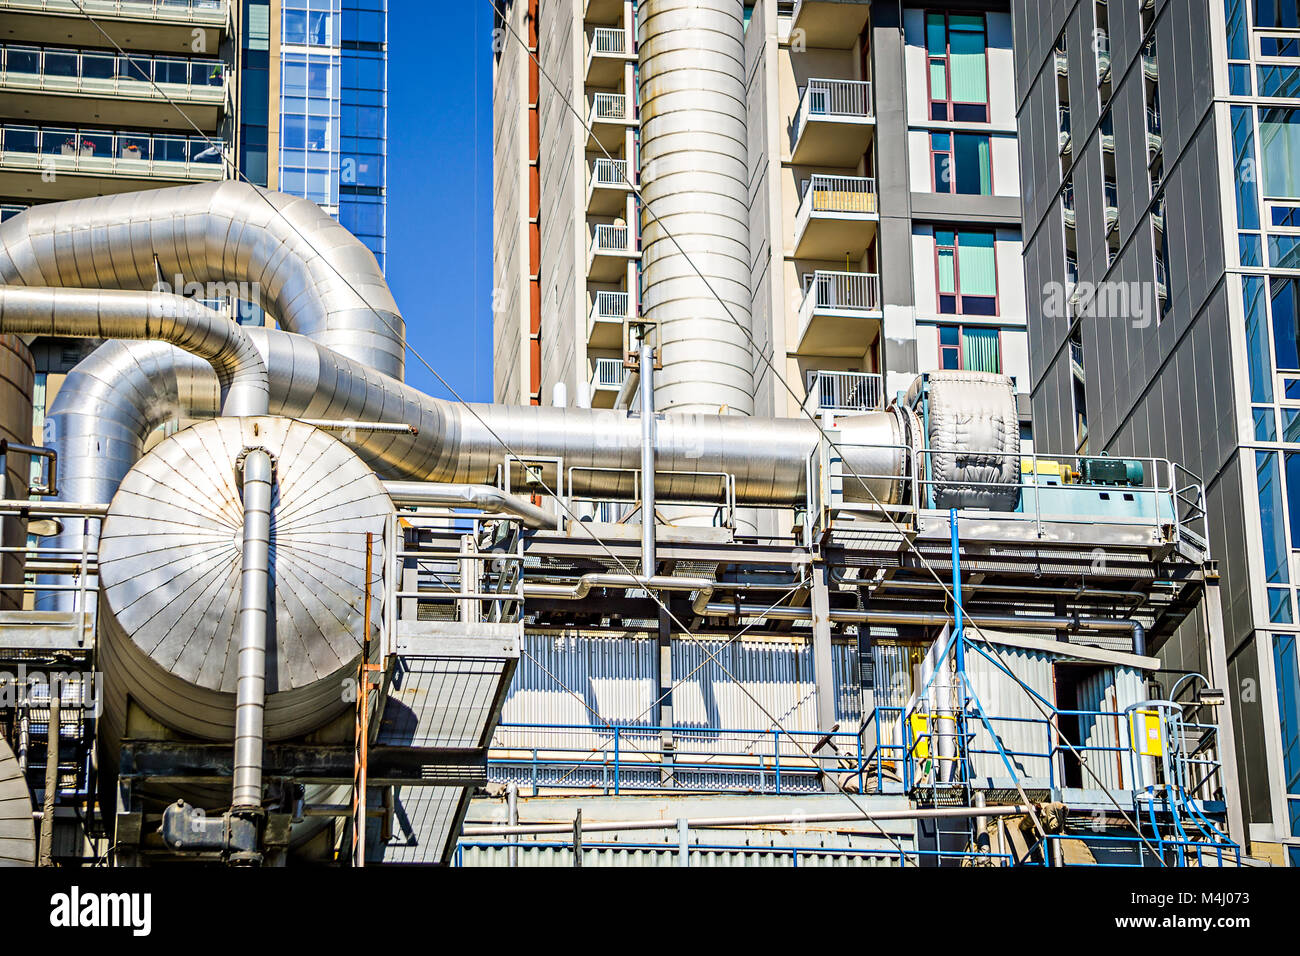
column 957, row 294
column 932, row 58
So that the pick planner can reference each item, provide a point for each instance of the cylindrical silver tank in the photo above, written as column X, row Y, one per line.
column 17, row 834
column 17, row 378
column 695, row 177
column 169, row 563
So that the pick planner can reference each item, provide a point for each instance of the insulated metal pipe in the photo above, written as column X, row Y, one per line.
column 155, row 316
column 766, row 820
column 223, row 240
column 118, row 395
column 923, row 619
column 484, row 497
column 648, row 562
column 695, row 189
column 254, row 597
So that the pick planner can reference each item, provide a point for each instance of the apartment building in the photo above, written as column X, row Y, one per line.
column 314, row 105
column 291, row 93
column 882, row 196
column 1160, row 149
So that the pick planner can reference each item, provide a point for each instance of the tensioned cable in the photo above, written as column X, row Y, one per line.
column 649, row 591
column 239, row 174
column 758, row 350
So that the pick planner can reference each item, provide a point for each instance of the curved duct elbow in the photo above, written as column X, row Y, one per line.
column 241, row 241
column 695, row 189
column 161, row 317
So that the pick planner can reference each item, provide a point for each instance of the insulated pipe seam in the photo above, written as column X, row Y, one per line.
column 162, row 317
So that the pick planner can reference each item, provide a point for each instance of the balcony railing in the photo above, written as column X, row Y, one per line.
column 841, row 292
column 92, row 73
column 608, row 41
column 611, row 306
column 846, row 391
column 607, row 238
column 180, row 9
column 610, row 108
column 97, row 151
column 832, row 99
column 840, row 194
column 610, row 373
column 609, row 173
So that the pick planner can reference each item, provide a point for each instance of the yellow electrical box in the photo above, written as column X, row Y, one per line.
column 920, row 724
column 1144, row 730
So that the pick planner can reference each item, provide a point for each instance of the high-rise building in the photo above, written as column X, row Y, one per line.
column 1160, row 150
column 110, row 98
column 843, row 174
column 314, row 106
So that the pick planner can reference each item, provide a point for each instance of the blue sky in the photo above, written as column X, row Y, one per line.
column 440, row 188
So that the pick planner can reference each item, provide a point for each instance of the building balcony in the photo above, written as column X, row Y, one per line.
column 609, row 50
column 609, row 187
column 834, row 123
column 837, row 217
column 845, row 392
column 1155, row 142
column 830, row 24
column 612, row 248
column 609, row 312
column 1063, row 124
column 840, row 314
column 1076, row 360
column 67, row 86
column 158, row 25
column 609, row 118
column 1062, row 62
column 99, row 163
column 607, row 378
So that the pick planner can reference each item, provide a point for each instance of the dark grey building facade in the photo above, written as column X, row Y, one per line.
column 1160, row 172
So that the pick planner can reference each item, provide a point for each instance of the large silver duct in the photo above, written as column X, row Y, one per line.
column 695, row 179
column 171, row 560
column 286, row 253
column 118, row 395
column 152, row 316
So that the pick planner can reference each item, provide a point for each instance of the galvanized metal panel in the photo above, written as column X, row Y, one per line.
column 423, row 818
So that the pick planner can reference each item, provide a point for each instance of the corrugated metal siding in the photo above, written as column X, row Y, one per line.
column 848, row 687
column 721, row 691
column 1022, row 728
column 580, row 680
column 1109, row 690
column 475, row 855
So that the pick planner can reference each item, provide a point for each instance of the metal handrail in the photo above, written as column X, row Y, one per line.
column 121, row 152
column 175, row 8
column 846, row 291
column 608, row 41
column 609, row 172
column 611, row 305
column 107, row 72
column 839, row 194
column 831, row 99
column 611, row 238
column 846, row 391
column 608, row 373
column 611, row 107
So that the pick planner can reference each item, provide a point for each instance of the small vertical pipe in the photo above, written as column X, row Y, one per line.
column 683, row 842
column 959, row 650
column 51, row 777
column 648, row 560
column 577, row 838
column 250, row 693
column 512, row 806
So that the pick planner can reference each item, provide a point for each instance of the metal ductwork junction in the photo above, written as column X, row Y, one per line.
column 234, row 239
column 696, row 202
column 171, row 562
column 238, row 559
